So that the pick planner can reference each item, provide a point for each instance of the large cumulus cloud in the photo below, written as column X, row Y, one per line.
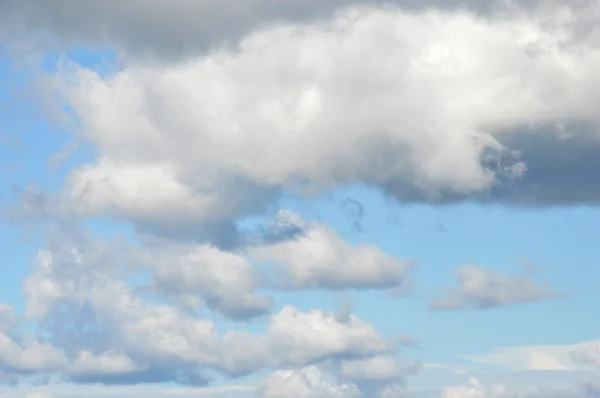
column 434, row 107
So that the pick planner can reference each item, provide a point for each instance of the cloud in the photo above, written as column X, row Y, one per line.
column 97, row 329
column 427, row 101
column 29, row 356
column 158, row 198
column 426, row 106
column 307, row 382
column 474, row 388
column 225, row 281
column 484, row 288
column 192, row 275
column 7, row 317
column 379, row 368
column 320, row 258
column 184, row 27
column 573, row 357
column 587, row 353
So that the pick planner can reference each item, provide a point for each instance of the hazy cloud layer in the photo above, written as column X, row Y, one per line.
column 475, row 389
column 485, row 288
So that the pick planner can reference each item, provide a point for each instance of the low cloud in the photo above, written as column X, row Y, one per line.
column 484, row 288
column 320, row 258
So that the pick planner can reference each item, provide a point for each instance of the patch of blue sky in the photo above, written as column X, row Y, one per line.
column 558, row 241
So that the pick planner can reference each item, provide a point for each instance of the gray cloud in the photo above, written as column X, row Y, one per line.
column 484, row 288
column 184, row 26
column 587, row 353
column 355, row 212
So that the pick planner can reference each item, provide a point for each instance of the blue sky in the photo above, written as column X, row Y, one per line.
column 258, row 202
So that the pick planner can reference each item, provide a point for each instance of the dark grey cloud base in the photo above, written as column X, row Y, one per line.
column 178, row 27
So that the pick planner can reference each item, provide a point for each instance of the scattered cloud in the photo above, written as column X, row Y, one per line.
column 309, row 382
column 219, row 112
column 224, row 281
column 485, row 288
column 320, row 258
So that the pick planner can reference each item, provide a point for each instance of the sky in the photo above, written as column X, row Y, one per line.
column 299, row 199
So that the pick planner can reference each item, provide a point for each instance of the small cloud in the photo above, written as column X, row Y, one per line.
column 485, row 288
column 406, row 340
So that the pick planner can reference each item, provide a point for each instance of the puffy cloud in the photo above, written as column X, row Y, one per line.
column 194, row 274
column 106, row 363
column 30, row 355
column 86, row 307
column 427, row 106
column 375, row 368
column 484, row 288
column 296, row 338
column 23, row 354
column 309, row 382
column 571, row 358
column 165, row 197
column 224, row 280
column 319, row 258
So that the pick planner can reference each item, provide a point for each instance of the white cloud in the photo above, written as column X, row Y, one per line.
column 39, row 394
column 587, row 353
column 224, row 280
column 474, row 389
column 569, row 357
column 30, row 355
column 309, row 382
column 485, row 288
column 378, row 368
column 319, row 258
column 301, row 337
column 427, row 106
column 138, row 337
column 106, row 363
column 7, row 317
